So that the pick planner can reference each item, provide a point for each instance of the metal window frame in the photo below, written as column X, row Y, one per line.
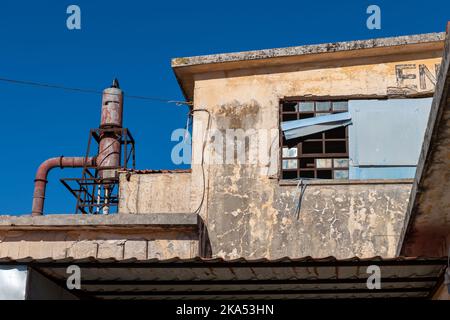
column 299, row 146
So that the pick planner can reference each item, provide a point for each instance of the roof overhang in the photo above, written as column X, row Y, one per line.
column 304, row 278
column 186, row 68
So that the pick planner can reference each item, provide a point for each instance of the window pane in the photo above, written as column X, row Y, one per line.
column 323, row 106
column 306, row 106
column 341, row 174
column 307, row 163
column 340, row 163
column 314, row 136
column 289, row 107
column 323, row 163
column 338, row 133
column 289, row 153
column 306, row 174
column 324, row 174
column 289, row 164
column 312, row 147
column 289, row 116
column 335, row 147
column 306, row 115
column 290, row 175
column 340, row 106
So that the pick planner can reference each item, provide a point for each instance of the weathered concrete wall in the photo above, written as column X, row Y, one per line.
column 55, row 244
column 155, row 193
column 99, row 244
column 247, row 211
column 343, row 220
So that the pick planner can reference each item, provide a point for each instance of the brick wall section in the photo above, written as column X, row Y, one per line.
column 56, row 245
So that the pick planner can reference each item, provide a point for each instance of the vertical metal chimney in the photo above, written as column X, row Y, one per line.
column 109, row 146
column 108, row 158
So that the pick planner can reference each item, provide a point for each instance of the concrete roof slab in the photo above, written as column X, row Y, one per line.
column 71, row 221
column 185, row 67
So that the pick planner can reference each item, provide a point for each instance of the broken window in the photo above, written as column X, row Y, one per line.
column 316, row 148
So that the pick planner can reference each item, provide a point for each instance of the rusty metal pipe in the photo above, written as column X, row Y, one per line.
column 40, row 181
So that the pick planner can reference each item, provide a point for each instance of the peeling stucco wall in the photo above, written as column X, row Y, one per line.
column 255, row 217
column 154, row 193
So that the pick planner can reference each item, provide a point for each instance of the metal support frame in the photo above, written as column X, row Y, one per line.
column 91, row 191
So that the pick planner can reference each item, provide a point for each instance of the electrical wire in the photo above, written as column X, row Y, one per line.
column 92, row 91
column 197, row 211
column 84, row 90
column 301, row 188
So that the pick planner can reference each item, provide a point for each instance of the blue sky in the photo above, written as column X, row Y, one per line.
column 134, row 41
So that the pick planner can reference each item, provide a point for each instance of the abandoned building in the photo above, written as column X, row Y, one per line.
column 352, row 171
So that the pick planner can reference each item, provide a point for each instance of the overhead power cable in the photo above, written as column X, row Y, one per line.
column 84, row 90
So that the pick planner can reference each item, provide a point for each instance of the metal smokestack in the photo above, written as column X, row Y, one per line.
column 108, row 159
column 95, row 190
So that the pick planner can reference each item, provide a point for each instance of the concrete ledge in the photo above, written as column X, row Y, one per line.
column 346, row 182
column 115, row 221
column 309, row 49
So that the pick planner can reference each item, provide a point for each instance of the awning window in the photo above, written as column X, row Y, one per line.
column 300, row 128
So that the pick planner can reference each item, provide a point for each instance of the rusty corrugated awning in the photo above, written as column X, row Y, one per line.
column 286, row 278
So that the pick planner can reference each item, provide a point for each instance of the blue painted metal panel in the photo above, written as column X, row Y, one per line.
column 382, row 172
column 300, row 128
column 386, row 136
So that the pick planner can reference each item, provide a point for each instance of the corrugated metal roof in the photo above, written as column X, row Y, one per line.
column 201, row 278
column 242, row 260
column 150, row 171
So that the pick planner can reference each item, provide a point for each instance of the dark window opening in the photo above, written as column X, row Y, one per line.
column 309, row 147
column 338, row 133
column 290, row 107
column 324, row 174
column 322, row 155
column 289, row 116
column 335, row 147
column 316, row 136
column 307, row 174
column 305, row 115
column 289, row 174
column 307, row 163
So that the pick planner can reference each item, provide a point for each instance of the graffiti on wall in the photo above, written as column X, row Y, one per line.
column 414, row 78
